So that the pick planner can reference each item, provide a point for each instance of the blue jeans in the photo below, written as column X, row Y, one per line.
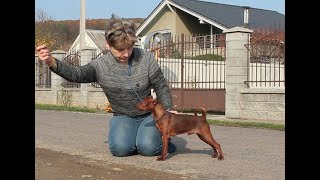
column 128, row 135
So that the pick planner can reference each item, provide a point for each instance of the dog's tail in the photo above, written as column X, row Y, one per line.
column 204, row 112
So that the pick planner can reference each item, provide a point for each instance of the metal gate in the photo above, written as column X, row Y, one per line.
column 194, row 67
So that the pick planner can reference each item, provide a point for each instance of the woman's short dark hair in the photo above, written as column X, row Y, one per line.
column 120, row 34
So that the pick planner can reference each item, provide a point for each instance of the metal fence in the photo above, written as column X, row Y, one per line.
column 188, row 62
column 42, row 74
column 192, row 62
column 197, row 62
column 266, row 65
column 94, row 84
column 73, row 59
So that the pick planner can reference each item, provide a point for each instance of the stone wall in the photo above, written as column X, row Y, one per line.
column 243, row 102
column 85, row 96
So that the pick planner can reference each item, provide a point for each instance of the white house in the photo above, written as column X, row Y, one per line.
column 93, row 38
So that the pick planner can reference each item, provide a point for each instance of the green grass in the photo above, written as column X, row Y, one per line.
column 262, row 125
column 64, row 108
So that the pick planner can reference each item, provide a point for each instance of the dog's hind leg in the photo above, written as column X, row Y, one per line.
column 215, row 146
column 206, row 136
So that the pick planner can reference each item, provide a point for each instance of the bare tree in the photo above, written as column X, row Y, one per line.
column 41, row 16
column 43, row 33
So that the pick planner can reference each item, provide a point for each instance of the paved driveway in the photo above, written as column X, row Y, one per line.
column 250, row 154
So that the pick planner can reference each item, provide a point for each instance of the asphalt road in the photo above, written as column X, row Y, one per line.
column 250, row 153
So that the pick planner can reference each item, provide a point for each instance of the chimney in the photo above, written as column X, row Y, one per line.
column 246, row 16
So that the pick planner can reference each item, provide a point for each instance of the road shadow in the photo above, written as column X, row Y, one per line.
column 181, row 144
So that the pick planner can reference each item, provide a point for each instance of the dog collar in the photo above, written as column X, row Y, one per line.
column 167, row 113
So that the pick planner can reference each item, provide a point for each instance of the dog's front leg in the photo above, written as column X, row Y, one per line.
column 165, row 141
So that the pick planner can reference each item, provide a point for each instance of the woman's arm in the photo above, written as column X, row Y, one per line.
column 159, row 83
column 78, row 74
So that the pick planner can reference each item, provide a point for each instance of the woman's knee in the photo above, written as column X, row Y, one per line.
column 122, row 136
column 149, row 148
column 149, row 141
column 121, row 149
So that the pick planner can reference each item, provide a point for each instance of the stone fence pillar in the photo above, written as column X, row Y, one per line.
column 87, row 54
column 236, row 68
column 56, row 80
column 35, row 67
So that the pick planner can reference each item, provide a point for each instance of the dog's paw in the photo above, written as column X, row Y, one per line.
column 221, row 157
column 214, row 155
column 160, row 158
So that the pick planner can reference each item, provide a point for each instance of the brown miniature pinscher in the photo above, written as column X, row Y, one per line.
column 170, row 124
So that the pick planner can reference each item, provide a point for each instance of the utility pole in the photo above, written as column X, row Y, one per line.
column 82, row 23
column 83, row 53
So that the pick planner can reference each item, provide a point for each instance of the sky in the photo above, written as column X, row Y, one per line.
column 102, row 9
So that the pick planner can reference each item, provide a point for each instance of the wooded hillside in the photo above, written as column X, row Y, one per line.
column 61, row 34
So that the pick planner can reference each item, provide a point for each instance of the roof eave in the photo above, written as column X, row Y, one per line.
column 203, row 18
column 165, row 3
column 151, row 16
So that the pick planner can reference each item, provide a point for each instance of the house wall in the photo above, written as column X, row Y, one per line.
column 180, row 23
column 176, row 22
column 189, row 24
column 165, row 21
